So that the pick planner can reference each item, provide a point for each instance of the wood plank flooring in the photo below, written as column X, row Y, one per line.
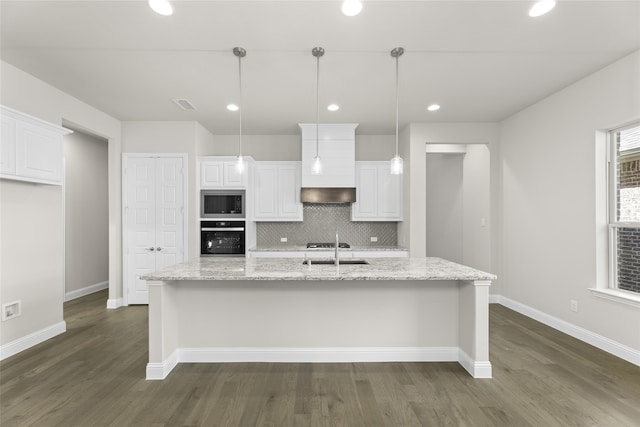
column 93, row 375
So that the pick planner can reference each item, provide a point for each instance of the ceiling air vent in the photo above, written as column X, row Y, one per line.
column 184, row 104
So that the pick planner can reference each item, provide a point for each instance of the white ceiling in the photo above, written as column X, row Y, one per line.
column 481, row 60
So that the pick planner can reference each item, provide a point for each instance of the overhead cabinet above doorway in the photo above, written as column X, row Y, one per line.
column 30, row 149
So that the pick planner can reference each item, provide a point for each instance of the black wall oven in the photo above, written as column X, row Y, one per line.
column 222, row 204
column 222, row 238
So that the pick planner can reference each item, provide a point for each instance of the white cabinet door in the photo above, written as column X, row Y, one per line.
column 154, row 234
column 211, row 174
column 38, row 153
column 265, row 190
column 222, row 173
column 232, row 178
column 366, row 204
column 7, row 145
column 389, row 194
column 290, row 207
column 276, row 189
column 378, row 193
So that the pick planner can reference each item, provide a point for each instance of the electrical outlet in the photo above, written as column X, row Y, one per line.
column 573, row 304
column 374, row 239
column 283, row 239
column 11, row 310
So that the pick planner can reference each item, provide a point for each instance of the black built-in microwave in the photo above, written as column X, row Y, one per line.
column 222, row 203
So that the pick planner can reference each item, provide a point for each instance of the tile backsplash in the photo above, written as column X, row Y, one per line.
column 320, row 224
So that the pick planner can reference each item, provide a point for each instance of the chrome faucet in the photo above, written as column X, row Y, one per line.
column 337, row 257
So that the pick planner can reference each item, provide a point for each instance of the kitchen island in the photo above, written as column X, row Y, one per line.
column 215, row 310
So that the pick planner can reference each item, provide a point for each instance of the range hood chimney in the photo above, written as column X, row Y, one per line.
column 328, row 195
column 336, row 147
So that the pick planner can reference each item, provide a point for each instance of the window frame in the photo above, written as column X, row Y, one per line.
column 613, row 224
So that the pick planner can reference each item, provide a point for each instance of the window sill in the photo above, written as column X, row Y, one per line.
column 623, row 297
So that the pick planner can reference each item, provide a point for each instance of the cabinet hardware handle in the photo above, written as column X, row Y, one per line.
column 158, row 248
column 151, row 248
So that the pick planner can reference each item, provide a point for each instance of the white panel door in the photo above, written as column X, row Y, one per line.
column 154, row 219
column 170, row 219
column 140, row 223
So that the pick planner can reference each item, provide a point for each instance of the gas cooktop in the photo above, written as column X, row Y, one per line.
column 327, row 245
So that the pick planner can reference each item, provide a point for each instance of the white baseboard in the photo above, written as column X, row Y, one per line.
column 114, row 303
column 603, row 343
column 318, row 355
column 159, row 371
column 28, row 341
column 477, row 369
column 86, row 290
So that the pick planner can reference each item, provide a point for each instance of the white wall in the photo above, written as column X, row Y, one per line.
column 86, row 212
column 288, row 147
column 412, row 232
column 549, row 201
column 444, row 211
column 36, row 277
column 172, row 137
column 476, row 208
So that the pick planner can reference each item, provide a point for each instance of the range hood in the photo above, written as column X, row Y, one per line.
column 336, row 145
column 328, row 195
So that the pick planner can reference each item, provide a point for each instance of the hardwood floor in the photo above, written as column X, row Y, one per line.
column 93, row 375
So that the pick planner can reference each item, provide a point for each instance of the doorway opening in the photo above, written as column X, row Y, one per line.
column 86, row 214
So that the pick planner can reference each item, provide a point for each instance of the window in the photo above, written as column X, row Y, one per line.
column 624, row 208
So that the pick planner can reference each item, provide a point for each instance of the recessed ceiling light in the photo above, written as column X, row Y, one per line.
column 333, row 107
column 232, row 107
column 541, row 7
column 163, row 7
column 351, row 7
column 433, row 107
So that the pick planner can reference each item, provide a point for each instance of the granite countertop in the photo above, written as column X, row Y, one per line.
column 227, row 268
column 302, row 248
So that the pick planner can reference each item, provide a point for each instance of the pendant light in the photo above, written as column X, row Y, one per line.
column 396, row 161
column 240, row 53
column 316, row 168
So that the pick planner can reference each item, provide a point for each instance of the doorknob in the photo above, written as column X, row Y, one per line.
column 151, row 248
column 158, row 248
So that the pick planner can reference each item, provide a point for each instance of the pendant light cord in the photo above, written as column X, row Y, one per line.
column 397, row 106
column 240, row 102
column 317, row 101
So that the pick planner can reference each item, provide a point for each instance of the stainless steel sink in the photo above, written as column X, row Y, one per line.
column 331, row 262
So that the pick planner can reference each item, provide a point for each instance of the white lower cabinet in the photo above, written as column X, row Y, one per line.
column 276, row 190
column 378, row 193
column 31, row 149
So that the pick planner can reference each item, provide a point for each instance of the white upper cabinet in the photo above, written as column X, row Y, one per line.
column 276, row 190
column 336, row 149
column 221, row 172
column 378, row 193
column 31, row 149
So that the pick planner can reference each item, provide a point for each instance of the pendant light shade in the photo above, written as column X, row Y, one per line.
column 316, row 168
column 240, row 163
column 396, row 162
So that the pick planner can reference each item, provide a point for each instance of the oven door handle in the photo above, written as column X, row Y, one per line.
column 223, row 229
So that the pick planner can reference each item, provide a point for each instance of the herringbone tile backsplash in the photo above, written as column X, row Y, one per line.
column 320, row 224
